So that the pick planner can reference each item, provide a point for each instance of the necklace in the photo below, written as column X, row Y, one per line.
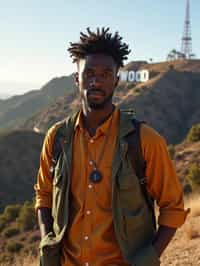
column 96, row 176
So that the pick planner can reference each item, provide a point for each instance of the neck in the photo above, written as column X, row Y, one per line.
column 94, row 118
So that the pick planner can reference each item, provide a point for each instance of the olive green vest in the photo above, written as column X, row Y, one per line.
column 133, row 224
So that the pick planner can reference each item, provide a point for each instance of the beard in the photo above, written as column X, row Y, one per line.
column 92, row 104
column 102, row 104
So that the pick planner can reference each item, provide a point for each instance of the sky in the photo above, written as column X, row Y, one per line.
column 35, row 34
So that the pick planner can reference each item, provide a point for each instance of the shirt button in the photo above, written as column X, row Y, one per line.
column 90, row 186
column 86, row 237
column 88, row 212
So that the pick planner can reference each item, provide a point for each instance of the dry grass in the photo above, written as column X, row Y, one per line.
column 191, row 231
column 184, row 249
column 23, row 261
column 192, row 227
column 193, row 202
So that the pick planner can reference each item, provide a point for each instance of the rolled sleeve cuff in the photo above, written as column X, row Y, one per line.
column 42, row 202
column 172, row 218
column 42, row 198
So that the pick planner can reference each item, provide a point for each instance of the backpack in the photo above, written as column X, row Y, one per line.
column 134, row 153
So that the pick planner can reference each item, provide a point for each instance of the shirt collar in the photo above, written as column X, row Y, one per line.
column 104, row 127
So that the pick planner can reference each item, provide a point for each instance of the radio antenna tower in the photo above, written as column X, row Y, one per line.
column 186, row 48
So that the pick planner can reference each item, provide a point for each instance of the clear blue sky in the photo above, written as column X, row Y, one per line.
column 34, row 34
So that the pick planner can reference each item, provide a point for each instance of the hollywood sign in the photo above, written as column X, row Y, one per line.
column 134, row 76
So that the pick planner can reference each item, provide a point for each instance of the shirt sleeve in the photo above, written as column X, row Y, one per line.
column 162, row 182
column 43, row 186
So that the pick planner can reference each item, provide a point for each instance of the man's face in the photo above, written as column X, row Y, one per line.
column 97, row 79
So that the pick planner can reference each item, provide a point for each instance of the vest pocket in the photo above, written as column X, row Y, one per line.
column 129, row 194
column 133, row 220
column 50, row 256
column 50, row 251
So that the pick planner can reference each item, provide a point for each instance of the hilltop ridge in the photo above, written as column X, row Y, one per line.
column 169, row 101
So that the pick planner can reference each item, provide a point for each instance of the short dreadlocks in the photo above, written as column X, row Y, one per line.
column 100, row 41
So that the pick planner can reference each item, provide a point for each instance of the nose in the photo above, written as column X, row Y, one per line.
column 95, row 82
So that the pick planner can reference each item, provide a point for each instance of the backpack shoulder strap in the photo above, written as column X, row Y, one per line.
column 139, row 164
column 135, row 151
column 63, row 133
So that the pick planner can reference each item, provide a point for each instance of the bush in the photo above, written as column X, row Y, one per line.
column 27, row 217
column 2, row 222
column 6, row 258
column 14, row 247
column 34, row 239
column 171, row 150
column 194, row 134
column 193, row 177
column 187, row 189
column 31, row 250
column 11, row 232
column 11, row 212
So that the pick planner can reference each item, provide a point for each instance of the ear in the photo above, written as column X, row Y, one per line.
column 76, row 80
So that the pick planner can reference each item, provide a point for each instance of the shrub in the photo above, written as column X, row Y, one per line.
column 31, row 250
column 14, row 247
column 34, row 238
column 193, row 177
column 187, row 189
column 194, row 134
column 2, row 222
column 6, row 259
column 11, row 232
column 171, row 150
column 11, row 212
column 27, row 218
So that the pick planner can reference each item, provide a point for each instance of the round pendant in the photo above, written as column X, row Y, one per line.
column 95, row 176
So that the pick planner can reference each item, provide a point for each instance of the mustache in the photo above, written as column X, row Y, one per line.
column 91, row 91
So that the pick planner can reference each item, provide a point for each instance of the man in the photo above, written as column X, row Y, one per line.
column 91, row 210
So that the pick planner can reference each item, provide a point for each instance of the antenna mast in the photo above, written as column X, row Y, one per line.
column 186, row 48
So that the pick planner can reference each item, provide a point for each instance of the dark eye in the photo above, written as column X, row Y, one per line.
column 106, row 75
column 89, row 74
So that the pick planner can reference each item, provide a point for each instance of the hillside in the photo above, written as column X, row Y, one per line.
column 17, row 109
column 185, row 156
column 169, row 101
column 19, row 162
column 183, row 250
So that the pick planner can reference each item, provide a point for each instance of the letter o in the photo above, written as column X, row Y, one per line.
column 131, row 76
column 144, row 75
column 138, row 76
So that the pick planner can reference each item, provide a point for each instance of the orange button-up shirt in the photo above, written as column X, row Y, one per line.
column 90, row 237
